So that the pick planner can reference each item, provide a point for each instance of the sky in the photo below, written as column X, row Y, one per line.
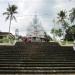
column 46, row 11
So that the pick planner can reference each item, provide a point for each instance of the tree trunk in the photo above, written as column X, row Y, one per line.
column 10, row 25
column 9, row 28
column 73, row 37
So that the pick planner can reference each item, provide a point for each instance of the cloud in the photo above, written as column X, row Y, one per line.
column 46, row 10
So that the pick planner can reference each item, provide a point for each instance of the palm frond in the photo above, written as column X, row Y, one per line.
column 14, row 18
column 15, row 12
column 6, row 13
column 7, row 18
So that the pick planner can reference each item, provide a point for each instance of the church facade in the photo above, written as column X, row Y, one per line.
column 36, row 32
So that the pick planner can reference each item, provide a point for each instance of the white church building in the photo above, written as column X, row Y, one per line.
column 35, row 31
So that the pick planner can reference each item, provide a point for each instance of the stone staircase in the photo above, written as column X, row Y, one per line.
column 37, row 58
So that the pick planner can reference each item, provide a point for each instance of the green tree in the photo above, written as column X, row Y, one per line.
column 10, row 12
column 72, row 15
column 72, row 20
column 47, row 37
column 57, row 32
column 70, row 33
column 61, row 19
column 61, row 15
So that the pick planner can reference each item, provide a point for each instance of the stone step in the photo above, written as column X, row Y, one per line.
column 36, row 58
column 36, row 71
column 38, row 64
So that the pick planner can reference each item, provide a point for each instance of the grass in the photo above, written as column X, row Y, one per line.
column 66, row 43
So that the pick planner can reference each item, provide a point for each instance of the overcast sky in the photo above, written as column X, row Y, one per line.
column 46, row 10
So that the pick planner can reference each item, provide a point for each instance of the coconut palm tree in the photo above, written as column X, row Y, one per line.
column 62, row 20
column 10, row 12
column 62, row 17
